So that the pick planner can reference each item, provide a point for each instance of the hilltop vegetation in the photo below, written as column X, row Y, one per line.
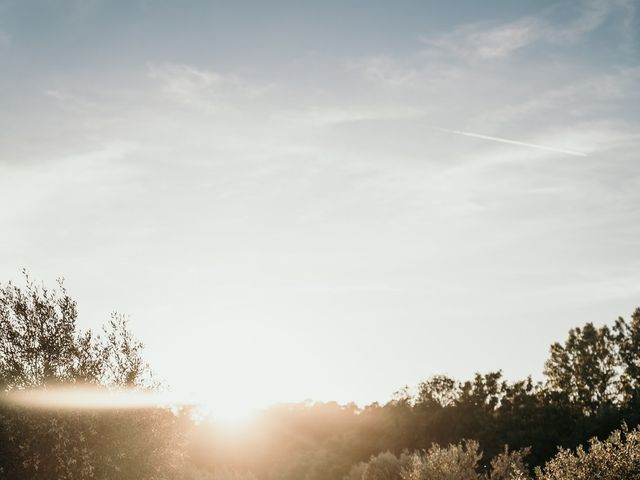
column 482, row 428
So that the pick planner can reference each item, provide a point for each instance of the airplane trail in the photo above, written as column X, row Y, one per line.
column 514, row 142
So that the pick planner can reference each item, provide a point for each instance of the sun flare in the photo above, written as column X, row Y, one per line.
column 224, row 412
column 93, row 398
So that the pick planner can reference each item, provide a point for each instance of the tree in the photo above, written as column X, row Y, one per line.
column 40, row 344
column 627, row 337
column 439, row 391
column 583, row 370
column 41, row 347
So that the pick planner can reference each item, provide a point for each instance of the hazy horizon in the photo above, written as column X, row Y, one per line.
column 325, row 201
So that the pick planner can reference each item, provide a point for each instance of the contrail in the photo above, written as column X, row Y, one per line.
column 514, row 142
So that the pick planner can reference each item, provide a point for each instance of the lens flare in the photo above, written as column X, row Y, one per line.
column 93, row 398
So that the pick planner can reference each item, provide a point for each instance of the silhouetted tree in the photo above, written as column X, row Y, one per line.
column 41, row 347
column 627, row 337
column 583, row 370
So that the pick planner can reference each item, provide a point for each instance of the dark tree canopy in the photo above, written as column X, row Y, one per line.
column 627, row 337
column 584, row 368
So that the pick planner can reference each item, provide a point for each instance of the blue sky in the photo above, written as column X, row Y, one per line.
column 325, row 200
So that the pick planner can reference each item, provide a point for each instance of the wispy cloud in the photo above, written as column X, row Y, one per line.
column 202, row 88
column 267, row 174
column 484, row 42
column 475, row 41
column 385, row 69
column 70, row 102
column 599, row 93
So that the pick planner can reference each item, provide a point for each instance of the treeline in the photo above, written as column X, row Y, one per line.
column 591, row 388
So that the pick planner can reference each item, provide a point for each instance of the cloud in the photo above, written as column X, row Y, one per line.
column 314, row 175
column 473, row 41
column 201, row 88
column 483, row 42
column 601, row 91
column 385, row 69
column 70, row 102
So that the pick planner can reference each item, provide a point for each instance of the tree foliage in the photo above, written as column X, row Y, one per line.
column 40, row 344
column 459, row 461
column 42, row 348
column 627, row 338
column 615, row 458
column 584, row 368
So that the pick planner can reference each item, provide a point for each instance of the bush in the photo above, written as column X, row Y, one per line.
column 454, row 462
column 384, row 466
column 616, row 458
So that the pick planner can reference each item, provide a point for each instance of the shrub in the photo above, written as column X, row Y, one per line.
column 616, row 458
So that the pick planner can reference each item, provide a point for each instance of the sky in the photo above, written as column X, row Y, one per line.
column 325, row 200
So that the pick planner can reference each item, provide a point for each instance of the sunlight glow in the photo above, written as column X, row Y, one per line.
column 228, row 413
column 92, row 398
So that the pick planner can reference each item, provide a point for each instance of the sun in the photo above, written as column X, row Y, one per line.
column 229, row 413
